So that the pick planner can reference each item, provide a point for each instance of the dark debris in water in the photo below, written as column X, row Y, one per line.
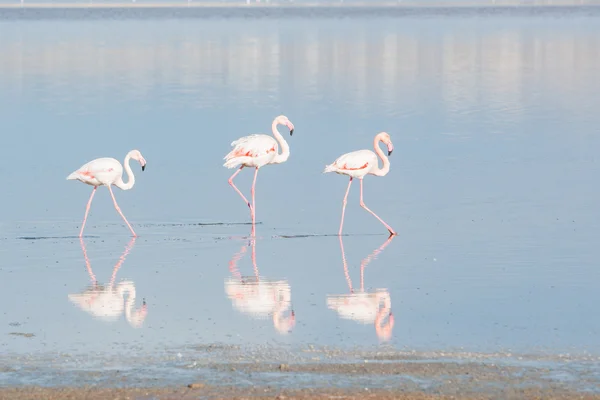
column 52, row 237
column 202, row 224
column 22, row 334
column 310, row 235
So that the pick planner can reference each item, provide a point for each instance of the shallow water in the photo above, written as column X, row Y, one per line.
column 494, row 118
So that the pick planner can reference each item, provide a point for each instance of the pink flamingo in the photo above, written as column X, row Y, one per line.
column 106, row 302
column 359, row 163
column 107, row 172
column 255, row 151
column 258, row 296
column 362, row 306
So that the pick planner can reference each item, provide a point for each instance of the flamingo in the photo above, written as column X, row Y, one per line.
column 107, row 172
column 363, row 307
column 255, row 151
column 260, row 297
column 107, row 302
column 359, row 163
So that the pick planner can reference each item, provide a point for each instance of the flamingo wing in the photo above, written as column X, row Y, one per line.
column 253, row 151
column 101, row 171
column 356, row 160
column 252, row 146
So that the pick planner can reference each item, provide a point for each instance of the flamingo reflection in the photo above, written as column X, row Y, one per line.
column 107, row 303
column 361, row 306
column 261, row 298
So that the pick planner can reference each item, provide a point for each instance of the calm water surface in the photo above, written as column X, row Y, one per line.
column 493, row 184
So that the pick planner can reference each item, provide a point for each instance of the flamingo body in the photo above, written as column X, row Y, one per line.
column 252, row 151
column 359, row 163
column 108, row 304
column 107, row 172
column 261, row 298
column 356, row 164
column 366, row 308
column 359, row 307
column 101, row 171
column 256, row 151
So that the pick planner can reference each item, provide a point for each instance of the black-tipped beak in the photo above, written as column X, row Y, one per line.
column 143, row 167
column 390, row 152
column 291, row 132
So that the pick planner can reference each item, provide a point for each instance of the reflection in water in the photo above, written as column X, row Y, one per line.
column 365, row 65
column 107, row 302
column 363, row 307
column 260, row 297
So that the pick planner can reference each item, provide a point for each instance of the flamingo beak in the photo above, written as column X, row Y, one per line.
column 291, row 127
column 143, row 167
column 390, row 147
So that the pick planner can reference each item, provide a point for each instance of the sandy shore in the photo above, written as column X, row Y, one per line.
column 447, row 381
column 243, row 5
column 202, row 391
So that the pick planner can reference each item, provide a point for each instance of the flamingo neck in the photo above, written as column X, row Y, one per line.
column 283, row 324
column 386, row 163
column 384, row 328
column 285, row 149
column 129, row 289
column 130, row 177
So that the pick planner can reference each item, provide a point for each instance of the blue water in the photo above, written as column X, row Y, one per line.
column 493, row 182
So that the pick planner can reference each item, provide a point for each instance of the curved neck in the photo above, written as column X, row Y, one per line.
column 384, row 329
column 386, row 163
column 130, row 177
column 283, row 324
column 129, row 289
column 285, row 149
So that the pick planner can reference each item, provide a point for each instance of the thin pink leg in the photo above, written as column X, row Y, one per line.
column 88, row 266
column 344, row 206
column 87, row 210
column 119, row 211
column 237, row 190
column 362, row 204
column 117, row 266
column 254, row 260
column 234, row 260
column 253, row 209
column 348, row 279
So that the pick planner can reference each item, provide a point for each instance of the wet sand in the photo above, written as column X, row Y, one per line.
column 349, row 6
column 454, row 380
column 91, row 393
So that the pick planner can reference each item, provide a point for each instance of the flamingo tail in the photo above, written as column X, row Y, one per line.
column 329, row 168
column 233, row 162
column 73, row 176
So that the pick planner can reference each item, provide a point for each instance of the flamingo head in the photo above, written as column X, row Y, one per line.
column 284, row 325
column 138, row 316
column 137, row 156
column 384, row 331
column 385, row 138
column 283, row 120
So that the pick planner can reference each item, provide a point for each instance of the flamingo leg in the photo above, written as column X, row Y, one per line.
column 117, row 266
column 237, row 190
column 88, row 266
column 348, row 279
column 253, row 209
column 87, row 210
column 362, row 204
column 119, row 210
column 344, row 206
